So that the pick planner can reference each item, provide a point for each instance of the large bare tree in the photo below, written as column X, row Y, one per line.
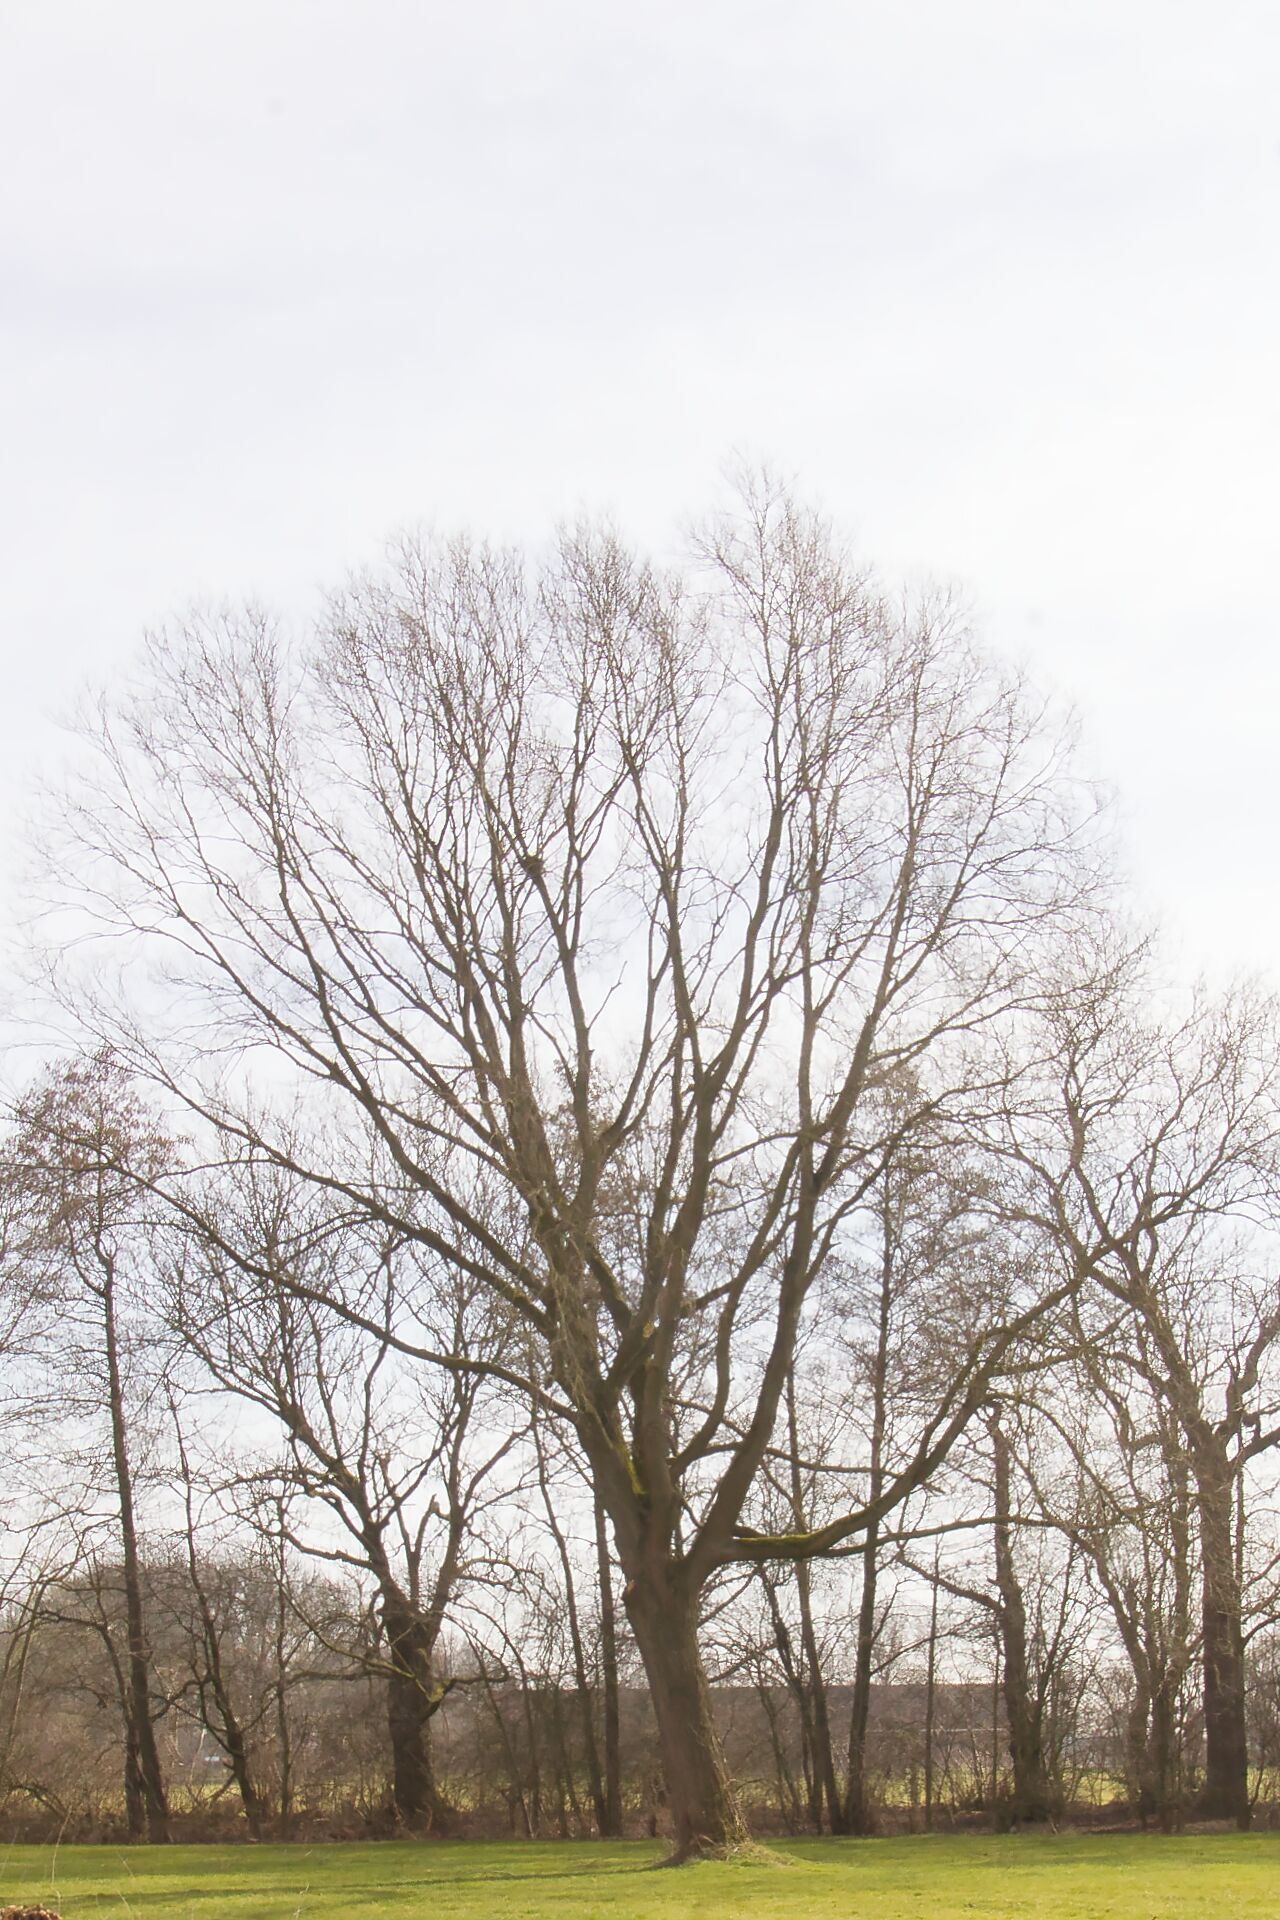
column 596, row 899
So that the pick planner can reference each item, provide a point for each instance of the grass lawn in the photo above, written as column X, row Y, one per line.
column 1069, row 1877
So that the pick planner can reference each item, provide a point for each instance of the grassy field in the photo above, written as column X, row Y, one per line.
column 1068, row 1877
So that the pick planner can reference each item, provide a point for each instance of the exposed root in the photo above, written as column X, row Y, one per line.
column 737, row 1853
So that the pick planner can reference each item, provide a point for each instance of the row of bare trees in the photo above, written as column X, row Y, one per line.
column 653, row 1060
column 1030, row 1652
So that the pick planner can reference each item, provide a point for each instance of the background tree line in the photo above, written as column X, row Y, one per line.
column 629, row 1196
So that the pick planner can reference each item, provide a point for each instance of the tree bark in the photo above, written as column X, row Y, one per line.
column 1225, row 1792
column 611, row 1826
column 585, row 1701
column 145, row 1804
column 930, row 1701
column 284, row 1729
column 1138, row 1754
column 1032, row 1795
column 704, row 1809
column 824, row 1766
column 210, row 1674
column 412, row 1699
column 859, row 1813
column 793, row 1675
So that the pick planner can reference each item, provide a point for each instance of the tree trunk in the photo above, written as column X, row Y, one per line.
column 859, row 1813
column 411, row 1701
column 1032, row 1795
column 1138, row 1745
column 585, row 1701
column 611, row 1827
column 824, row 1766
column 238, row 1761
column 145, row 1803
column 704, row 1810
column 1164, row 1766
column 1225, row 1793
column 793, row 1674
column 284, row 1729
column 930, row 1701
column 789, row 1803
column 212, row 1682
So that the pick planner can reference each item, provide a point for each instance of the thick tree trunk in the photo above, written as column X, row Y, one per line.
column 1138, row 1754
column 704, row 1811
column 1225, row 1793
column 411, row 1701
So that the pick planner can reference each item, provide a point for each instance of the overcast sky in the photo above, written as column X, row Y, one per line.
column 999, row 280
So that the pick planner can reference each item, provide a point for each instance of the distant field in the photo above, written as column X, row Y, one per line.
column 1211, row 1877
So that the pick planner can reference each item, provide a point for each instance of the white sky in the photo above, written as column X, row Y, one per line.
column 999, row 280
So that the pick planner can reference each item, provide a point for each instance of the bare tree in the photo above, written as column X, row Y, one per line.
column 600, row 1750
column 79, row 1148
column 405, row 1464
column 1121, row 1494
column 926, row 1268
column 1157, row 1169
column 598, row 899
column 203, row 1614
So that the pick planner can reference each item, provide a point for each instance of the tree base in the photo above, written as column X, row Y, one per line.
column 1225, row 1808
column 738, row 1853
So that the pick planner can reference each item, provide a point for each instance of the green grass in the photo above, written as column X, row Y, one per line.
column 1067, row 1877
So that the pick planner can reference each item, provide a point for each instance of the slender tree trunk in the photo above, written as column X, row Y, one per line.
column 1032, row 1794
column 516, row 1800
column 930, row 1702
column 995, row 1726
column 859, row 1813
column 789, row 1805
column 145, row 1802
column 612, row 1824
column 860, row 1816
column 1225, row 1793
column 704, row 1809
column 528, row 1706
column 212, row 1682
column 238, row 1761
column 792, row 1673
column 566, row 1792
column 135, row 1814
column 586, row 1704
column 1164, row 1765
column 284, row 1731
column 824, row 1765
